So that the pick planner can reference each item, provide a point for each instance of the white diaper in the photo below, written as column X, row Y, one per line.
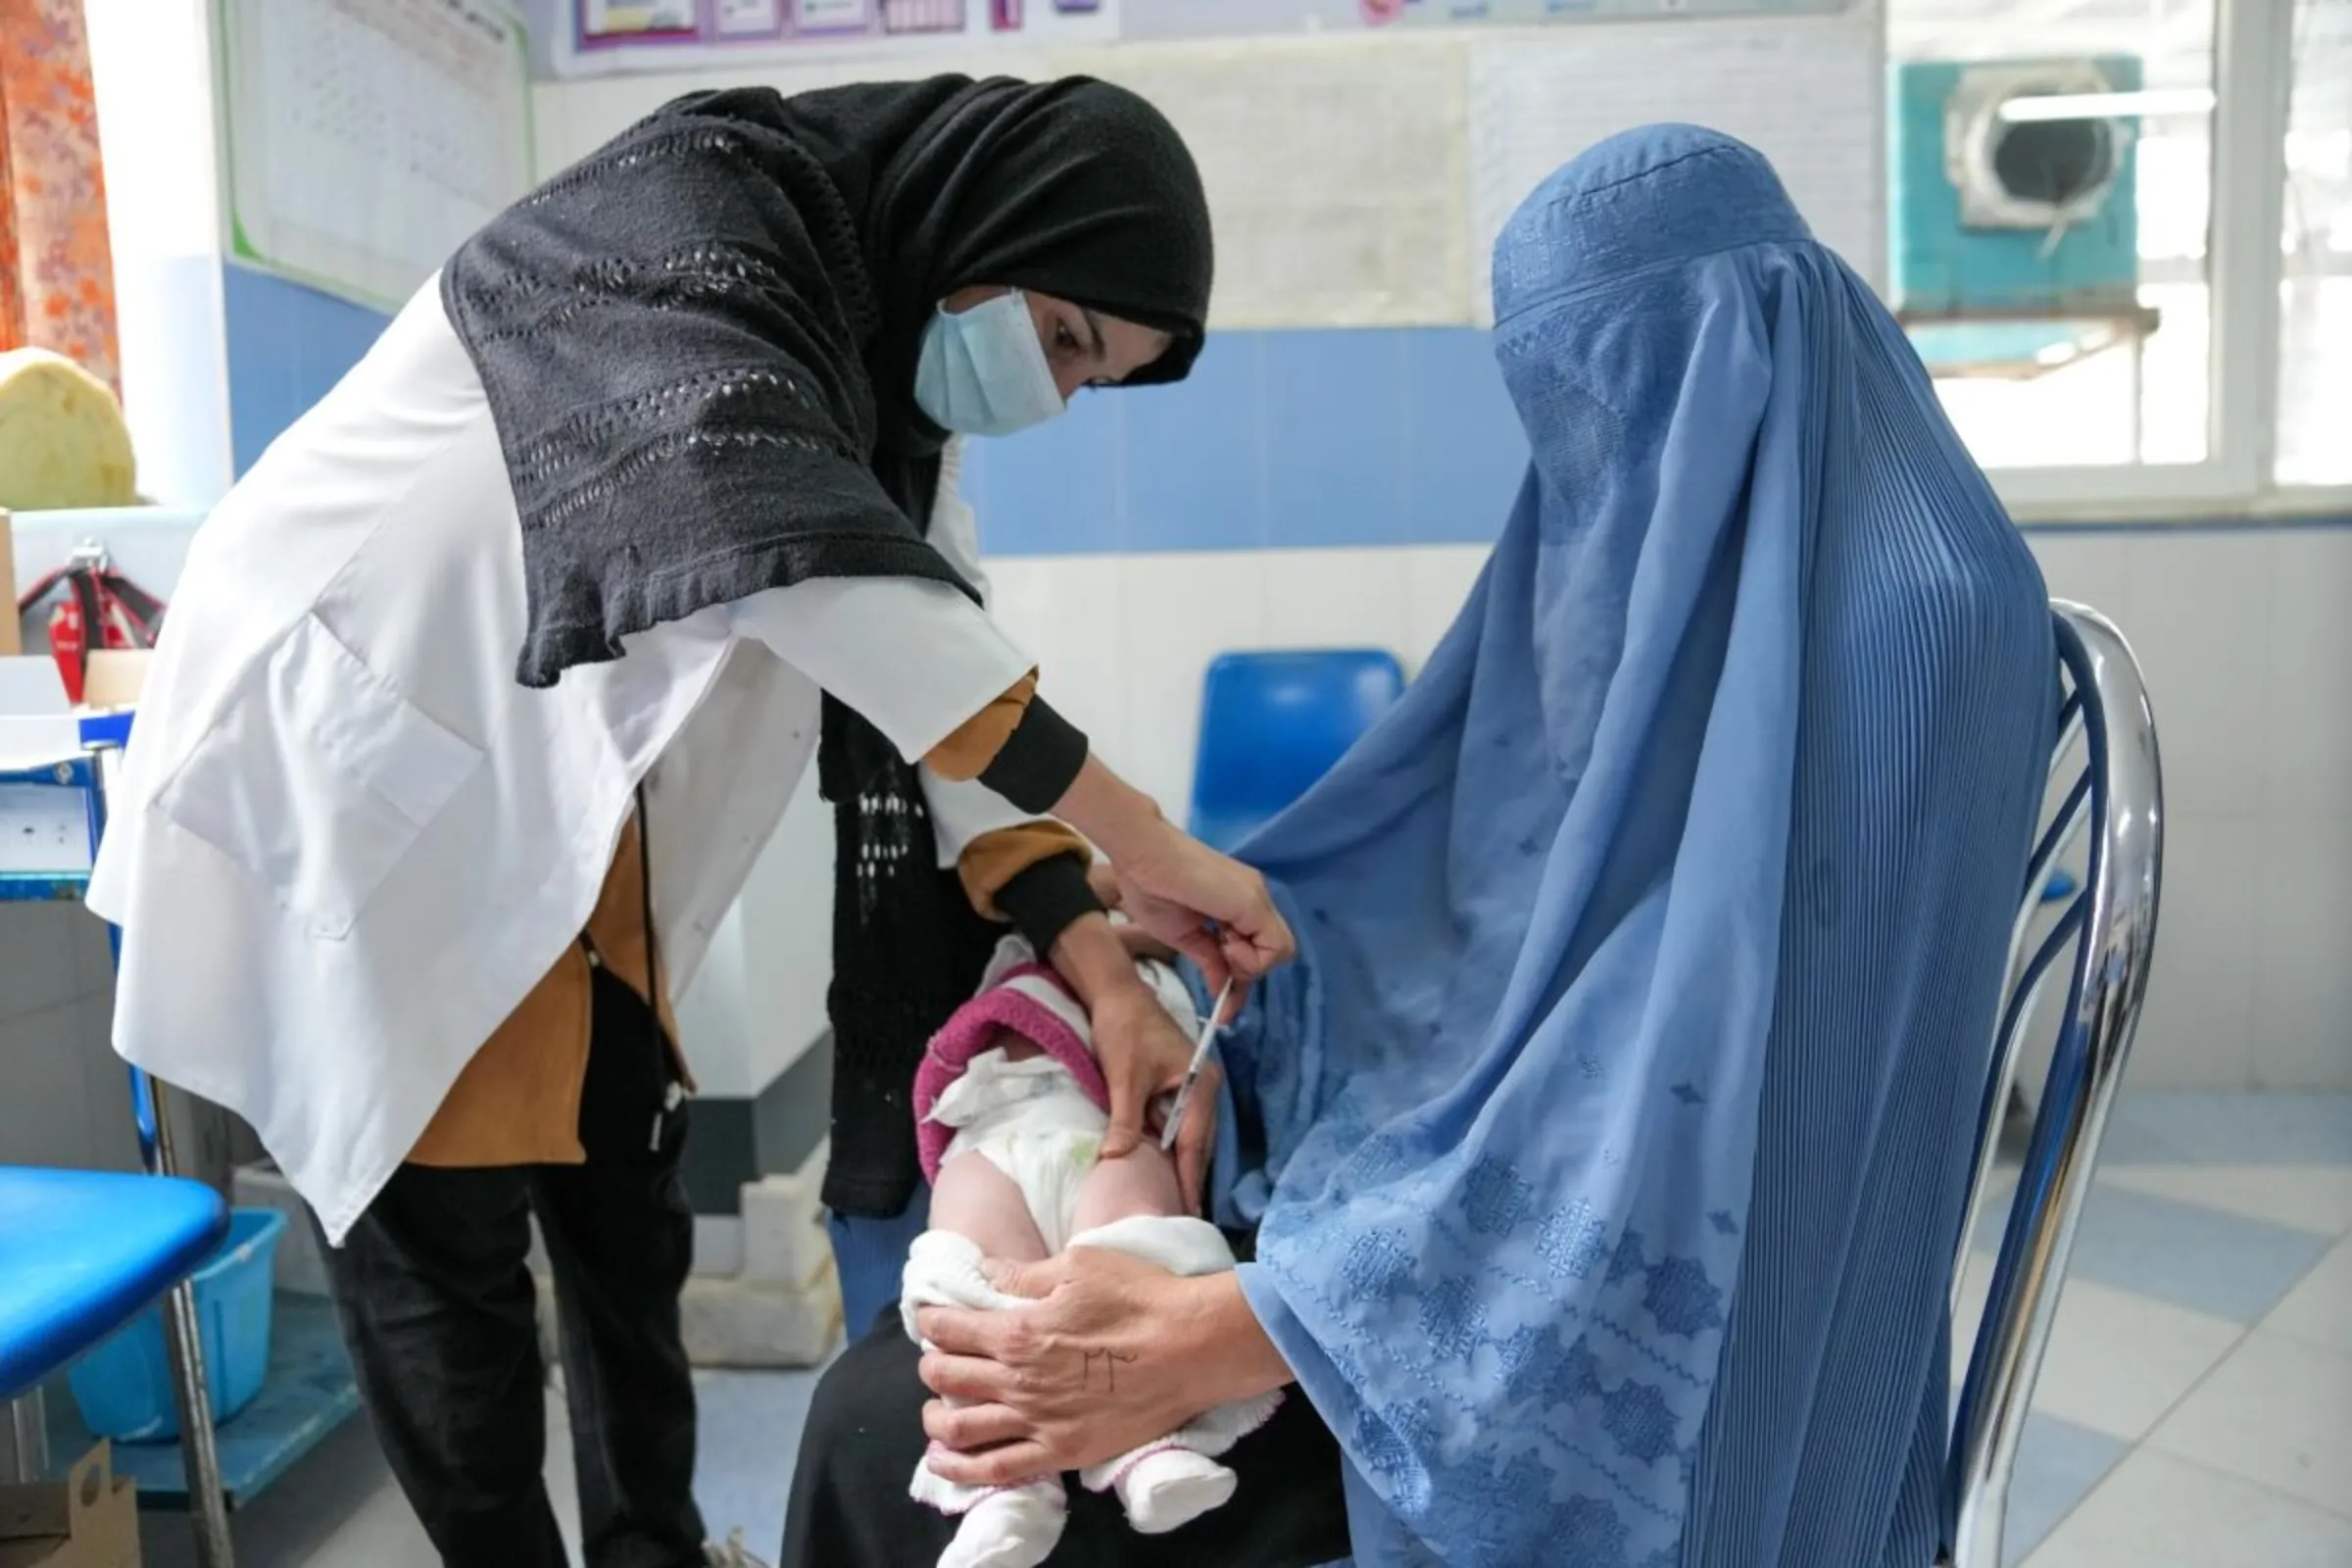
column 1031, row 1120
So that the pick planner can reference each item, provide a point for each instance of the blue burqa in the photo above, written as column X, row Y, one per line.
column 1610, row 1138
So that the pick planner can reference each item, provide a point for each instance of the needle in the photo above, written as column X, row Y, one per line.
column 1209, row 1029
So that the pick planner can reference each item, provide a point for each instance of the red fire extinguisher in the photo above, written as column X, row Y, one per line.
column 97, row 608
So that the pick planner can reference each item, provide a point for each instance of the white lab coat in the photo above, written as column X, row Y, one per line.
column 345, row 843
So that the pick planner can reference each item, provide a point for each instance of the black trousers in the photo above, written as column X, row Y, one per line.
column 850, row 1507
column 434, row 1293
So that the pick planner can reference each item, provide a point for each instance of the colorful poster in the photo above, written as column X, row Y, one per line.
column 748, row 19
column 1231, row 19
column 610, row 22
column 607, row 36
column 818, row 18
column 922, row 16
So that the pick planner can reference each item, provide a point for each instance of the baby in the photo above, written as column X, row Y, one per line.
column 1011, row 1110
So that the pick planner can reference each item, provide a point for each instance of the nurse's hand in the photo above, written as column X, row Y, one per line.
column 1214, row 910
column 1141, row 944
column 1114, row 1352
column 1143, row 1054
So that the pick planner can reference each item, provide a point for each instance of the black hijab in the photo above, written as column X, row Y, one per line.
column 699, row 343
column 1073, row 188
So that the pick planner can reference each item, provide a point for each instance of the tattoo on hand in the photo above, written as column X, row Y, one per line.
column 1109, row 1361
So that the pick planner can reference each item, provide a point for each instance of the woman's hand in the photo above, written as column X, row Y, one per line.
column 1114, row 1353
column 1144, row 1055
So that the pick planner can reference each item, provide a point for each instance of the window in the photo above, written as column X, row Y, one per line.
column 2071, row 330
column 2314, row 289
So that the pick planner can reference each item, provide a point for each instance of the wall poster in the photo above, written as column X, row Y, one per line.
column 603, row 36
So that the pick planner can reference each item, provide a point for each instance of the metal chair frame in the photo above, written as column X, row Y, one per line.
column 2109, row 926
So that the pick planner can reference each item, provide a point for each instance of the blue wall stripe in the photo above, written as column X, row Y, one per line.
column 1286, row 440
column 288, row 345
column 1195, row 464
column 1296, row 440
column 1337, row 437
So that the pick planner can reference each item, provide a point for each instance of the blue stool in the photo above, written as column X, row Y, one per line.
column 81, row 1253
column 1273, row 723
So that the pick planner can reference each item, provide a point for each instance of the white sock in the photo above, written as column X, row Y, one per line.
column 1014, row 1527
column 1169, row 1488
column 943, row 1269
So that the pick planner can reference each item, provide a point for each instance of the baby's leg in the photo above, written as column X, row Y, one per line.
column 1142, row 1183
column 980, row 1203
column 1164, row 1484
column 1008, row 1527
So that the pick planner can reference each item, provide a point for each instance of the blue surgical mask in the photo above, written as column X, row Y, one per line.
column 982, row 372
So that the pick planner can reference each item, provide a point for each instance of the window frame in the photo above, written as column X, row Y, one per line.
column 2253, row 84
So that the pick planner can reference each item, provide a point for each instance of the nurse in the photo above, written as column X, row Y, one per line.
column 486, row 686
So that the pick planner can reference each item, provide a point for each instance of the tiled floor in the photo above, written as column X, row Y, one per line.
column 2196, row 1407
column 2196, row 1410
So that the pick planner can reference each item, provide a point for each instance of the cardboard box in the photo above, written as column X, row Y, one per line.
column 112, row 676
column 88, row 1520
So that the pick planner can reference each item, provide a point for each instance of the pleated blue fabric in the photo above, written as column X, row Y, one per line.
column 1609, row 1142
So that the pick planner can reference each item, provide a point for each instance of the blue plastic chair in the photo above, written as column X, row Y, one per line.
column 1273, row 723
column 82, row 1253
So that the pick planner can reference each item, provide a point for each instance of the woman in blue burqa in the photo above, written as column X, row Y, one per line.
column 1606, row 1152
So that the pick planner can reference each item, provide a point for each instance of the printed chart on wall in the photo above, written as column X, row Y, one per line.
column 1808, row 93
column 1358, row 221
column 617, row 36
column 1206, row 18
column 365, row 138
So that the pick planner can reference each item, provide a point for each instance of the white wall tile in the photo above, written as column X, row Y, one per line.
column 1065, row 612
column 1180, row 613
column 785, row 955
column 112, row 1141
column 94, row 955
column 2302, row 992
column 1338, row 599
column 2196, row 1027
column 2307, row 729
column 37, row 964
column 2090, row 568
column 44, row 1097
column 1441, row 577
column 155, row 90
column 2197, row 603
